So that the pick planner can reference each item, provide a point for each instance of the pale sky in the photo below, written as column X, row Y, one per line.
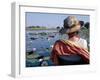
column 50, row 20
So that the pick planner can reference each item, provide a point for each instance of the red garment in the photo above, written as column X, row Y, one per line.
column 62, row 47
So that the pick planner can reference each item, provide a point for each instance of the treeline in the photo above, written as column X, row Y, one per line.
column 41, row 27
column 37, row 27
column 83, row 24
column 87, row 24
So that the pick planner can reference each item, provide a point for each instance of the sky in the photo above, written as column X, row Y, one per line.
column 50, row 20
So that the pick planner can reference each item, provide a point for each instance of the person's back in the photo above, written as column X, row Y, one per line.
column 73, row 46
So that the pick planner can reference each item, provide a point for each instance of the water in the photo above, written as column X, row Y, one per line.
column 41, row 40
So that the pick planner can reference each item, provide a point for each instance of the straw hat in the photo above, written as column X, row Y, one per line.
column 71, row 24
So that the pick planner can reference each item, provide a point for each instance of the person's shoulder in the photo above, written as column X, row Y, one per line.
column 82, row 40
column 57, row 44
column 58, row 41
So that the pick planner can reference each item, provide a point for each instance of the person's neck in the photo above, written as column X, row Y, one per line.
column 74, row 38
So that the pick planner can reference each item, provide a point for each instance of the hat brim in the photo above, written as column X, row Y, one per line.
column 73, row 29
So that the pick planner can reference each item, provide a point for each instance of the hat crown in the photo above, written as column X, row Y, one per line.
column 70, row 21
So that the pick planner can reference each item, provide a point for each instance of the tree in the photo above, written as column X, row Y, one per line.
column 87, row 25
column 37, row 26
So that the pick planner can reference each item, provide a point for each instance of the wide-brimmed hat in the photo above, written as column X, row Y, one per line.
column 71, row 24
